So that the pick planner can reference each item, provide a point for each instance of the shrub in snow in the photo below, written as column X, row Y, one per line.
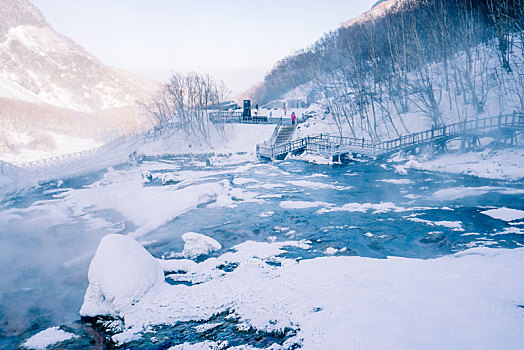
column 197, row 245
column 146, row 175
column 121, row 273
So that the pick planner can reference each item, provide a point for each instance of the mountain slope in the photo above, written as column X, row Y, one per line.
column 39, row 65
column 377, row 10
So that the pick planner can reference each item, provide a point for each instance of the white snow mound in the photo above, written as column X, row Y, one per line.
column 197, row 244
column 48, row 337
column 121, row 272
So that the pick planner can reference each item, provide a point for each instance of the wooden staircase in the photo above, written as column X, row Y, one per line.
column 284, row 134
column 281, row 136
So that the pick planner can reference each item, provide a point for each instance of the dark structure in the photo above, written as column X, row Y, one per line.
column 247, row 109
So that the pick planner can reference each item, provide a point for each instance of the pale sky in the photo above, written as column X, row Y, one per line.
column 237, row 41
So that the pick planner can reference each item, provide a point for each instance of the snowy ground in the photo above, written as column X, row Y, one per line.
column 470, row 300
column 235, row 138
column 505, row 164
column 19, row 148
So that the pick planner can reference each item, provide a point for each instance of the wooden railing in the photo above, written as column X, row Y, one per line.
column 330, row 144
column 47, row 162
column 236, row 117
column 109, row 154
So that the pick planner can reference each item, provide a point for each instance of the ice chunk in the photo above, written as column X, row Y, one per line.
column 413, row 164
column 175, row 265
column 505, row 214
column 242, row 181
column 206, row 345
column 47, row 338
column 397, row 181
column 303, row 204
column 121, row 273
column 331, row 251
column 454, row 193
column 197, row 244
column 454, row 225
column 318, row 185
column 382, row 207
column 401, row 170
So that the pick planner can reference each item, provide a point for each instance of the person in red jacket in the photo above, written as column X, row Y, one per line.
column 293, row 118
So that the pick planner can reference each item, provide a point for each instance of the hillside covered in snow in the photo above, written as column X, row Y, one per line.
column 405, row 66
column 52, row 89
column 42, row 66
column 47, row 81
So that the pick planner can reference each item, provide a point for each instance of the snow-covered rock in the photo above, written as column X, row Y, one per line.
column 197, row 245
column 121, row 273
column 169, row 179
column 46, row 338
column 400, row 169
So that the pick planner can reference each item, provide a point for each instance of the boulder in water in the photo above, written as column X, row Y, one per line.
column 121, row 273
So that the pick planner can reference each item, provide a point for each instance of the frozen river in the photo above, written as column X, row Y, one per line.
column 49, row 235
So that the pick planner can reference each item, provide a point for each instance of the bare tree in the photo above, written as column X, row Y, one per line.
column 185, row 102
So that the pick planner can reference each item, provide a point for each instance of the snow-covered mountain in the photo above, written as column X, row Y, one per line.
column 379, row 9
column 41, row 66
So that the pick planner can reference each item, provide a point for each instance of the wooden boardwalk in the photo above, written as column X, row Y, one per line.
column 500, row 127
column 63, row 166
column 237, row 117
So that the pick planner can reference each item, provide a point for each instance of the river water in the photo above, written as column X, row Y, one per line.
column 49, row 234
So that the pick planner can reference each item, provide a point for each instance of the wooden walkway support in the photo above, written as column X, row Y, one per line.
column 500, row 127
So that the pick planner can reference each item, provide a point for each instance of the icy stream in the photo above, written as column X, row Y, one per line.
column 49, row 235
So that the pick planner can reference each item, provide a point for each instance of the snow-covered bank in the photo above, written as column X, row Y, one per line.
column 469, row 300
column 238, row 139
column 22, row 148
column 504, row 164
column 234, row 138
